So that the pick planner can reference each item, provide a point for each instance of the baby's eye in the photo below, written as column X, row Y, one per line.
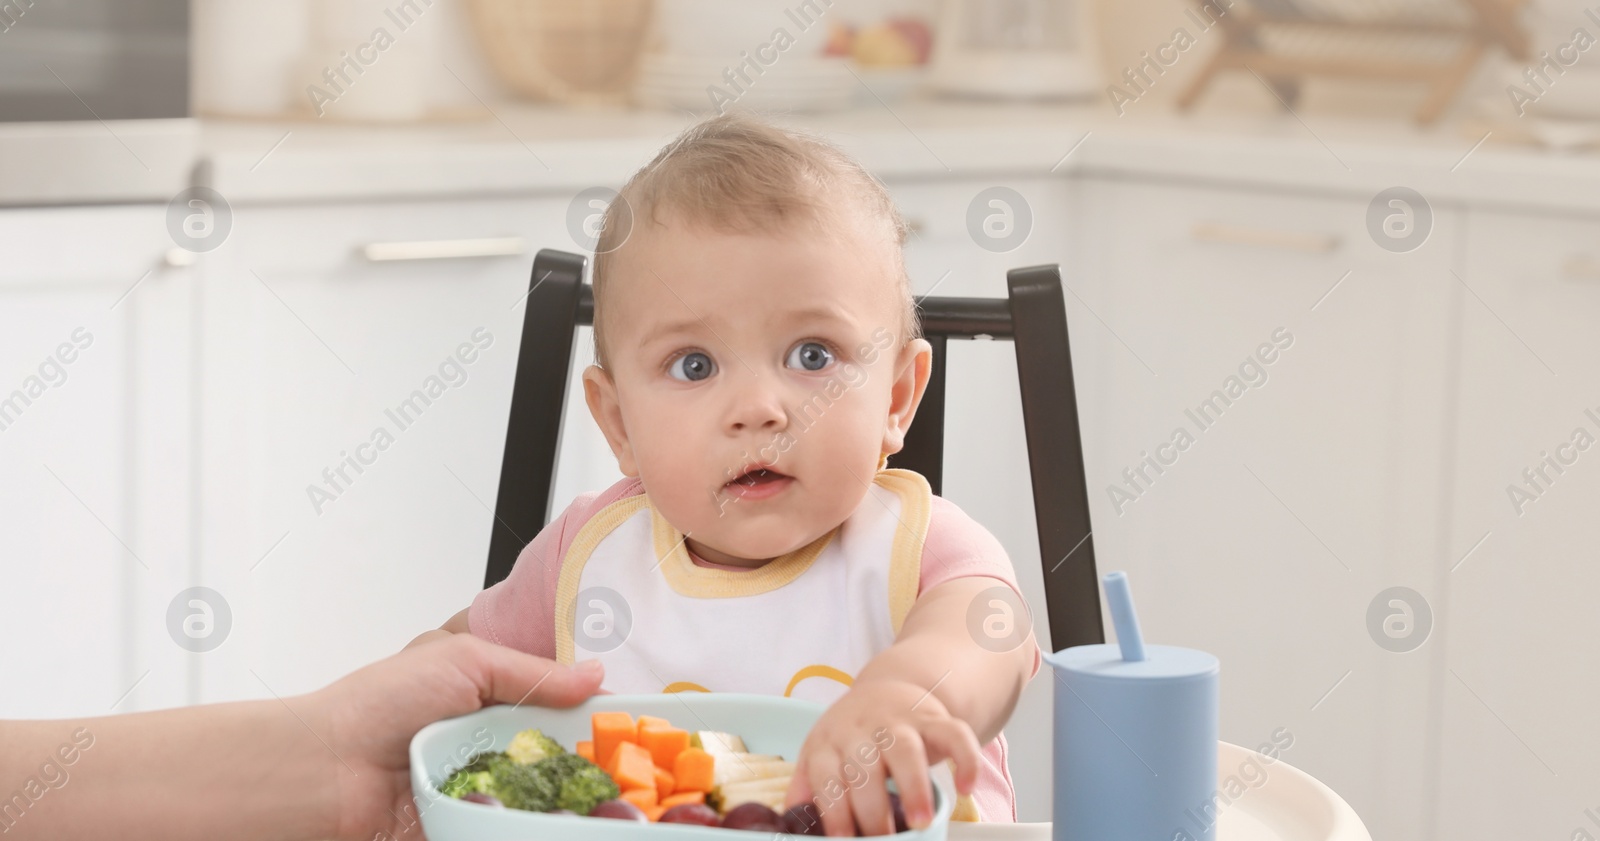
column 691, row 367
column 809, row 356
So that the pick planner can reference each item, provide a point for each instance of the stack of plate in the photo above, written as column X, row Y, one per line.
column 697, row 42
column 703, row 84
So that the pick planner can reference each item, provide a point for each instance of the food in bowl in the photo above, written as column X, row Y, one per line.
column 644, row 770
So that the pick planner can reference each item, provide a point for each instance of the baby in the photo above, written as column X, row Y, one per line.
column 757, row 359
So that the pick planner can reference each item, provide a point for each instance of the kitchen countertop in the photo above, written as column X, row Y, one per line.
column 89, row 161
column 520, row 149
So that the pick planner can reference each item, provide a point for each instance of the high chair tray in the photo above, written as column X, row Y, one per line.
column 1290, row 805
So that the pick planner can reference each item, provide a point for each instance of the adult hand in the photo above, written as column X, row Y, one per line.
column 372, row 714
column 329, row 764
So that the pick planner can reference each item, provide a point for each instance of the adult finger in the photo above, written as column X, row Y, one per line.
column 507, row 676
column 953, row 739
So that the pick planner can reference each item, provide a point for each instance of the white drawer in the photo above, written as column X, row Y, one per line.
column 334, row 238
column 94, row 244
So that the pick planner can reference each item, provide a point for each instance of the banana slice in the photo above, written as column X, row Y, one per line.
column 732, row 769
column 714, row 742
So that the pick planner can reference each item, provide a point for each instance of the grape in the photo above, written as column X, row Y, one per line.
column 619, row 809
column 751, row 816
column 803, row 819
column 485, row 799
column 693, row 813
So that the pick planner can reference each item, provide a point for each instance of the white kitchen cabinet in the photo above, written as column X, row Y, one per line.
column 95, row 423
column 1280, row 517
column 313, row 355
column 1517, row 716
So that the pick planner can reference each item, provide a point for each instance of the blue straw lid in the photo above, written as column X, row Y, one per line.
column 1130, row 658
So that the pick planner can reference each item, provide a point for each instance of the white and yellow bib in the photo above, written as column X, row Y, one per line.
column 802, row 626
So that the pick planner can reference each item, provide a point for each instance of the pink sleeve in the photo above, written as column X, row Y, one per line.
column 519, row 612
column 958, row 547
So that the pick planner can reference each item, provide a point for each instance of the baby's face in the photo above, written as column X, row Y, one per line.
column 727, row 352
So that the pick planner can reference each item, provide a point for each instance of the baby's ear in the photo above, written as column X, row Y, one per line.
column 600, row 392
column 912, row 367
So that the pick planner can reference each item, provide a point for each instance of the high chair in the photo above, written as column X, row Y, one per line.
column 1033, row 316
column 1296, row 807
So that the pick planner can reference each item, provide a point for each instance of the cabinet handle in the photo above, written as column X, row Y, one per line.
column 1582, row 267
column 443, row 249
column 1265, row 237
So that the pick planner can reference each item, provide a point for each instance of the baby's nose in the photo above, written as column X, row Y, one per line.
column 757, row 406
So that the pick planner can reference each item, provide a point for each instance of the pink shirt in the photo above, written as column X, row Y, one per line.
column 519, row 612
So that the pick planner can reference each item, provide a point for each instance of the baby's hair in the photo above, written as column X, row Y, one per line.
column 737, row 173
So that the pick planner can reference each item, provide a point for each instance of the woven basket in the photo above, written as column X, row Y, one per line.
column 567, row 51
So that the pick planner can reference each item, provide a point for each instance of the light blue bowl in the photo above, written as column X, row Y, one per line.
column 768, row 725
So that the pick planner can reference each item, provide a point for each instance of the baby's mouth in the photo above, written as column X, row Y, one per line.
column 758, row 476
column 757, row 483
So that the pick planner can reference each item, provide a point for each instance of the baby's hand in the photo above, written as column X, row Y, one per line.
column 881, row 728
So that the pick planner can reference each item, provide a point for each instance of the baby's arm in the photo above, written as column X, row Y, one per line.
column 937, row 649
column 934, row 694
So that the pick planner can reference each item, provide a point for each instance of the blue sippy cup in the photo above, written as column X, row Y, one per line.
column 1135, row 736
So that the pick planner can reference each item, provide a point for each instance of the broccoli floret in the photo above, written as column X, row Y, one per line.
column 530, row 746
column 522, row 786
column 560, row 781
column 581, row 784
column 486, row 761
column 465, row 781
column 477, row 775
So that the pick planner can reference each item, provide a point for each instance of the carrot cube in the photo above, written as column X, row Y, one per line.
column 695, row 797
column 633, row 769
column 693, row 770
column 664, row 782
column 664, row 744
column 654, row 813
column 586, row 750
column 653, row 721
column 611, row 729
